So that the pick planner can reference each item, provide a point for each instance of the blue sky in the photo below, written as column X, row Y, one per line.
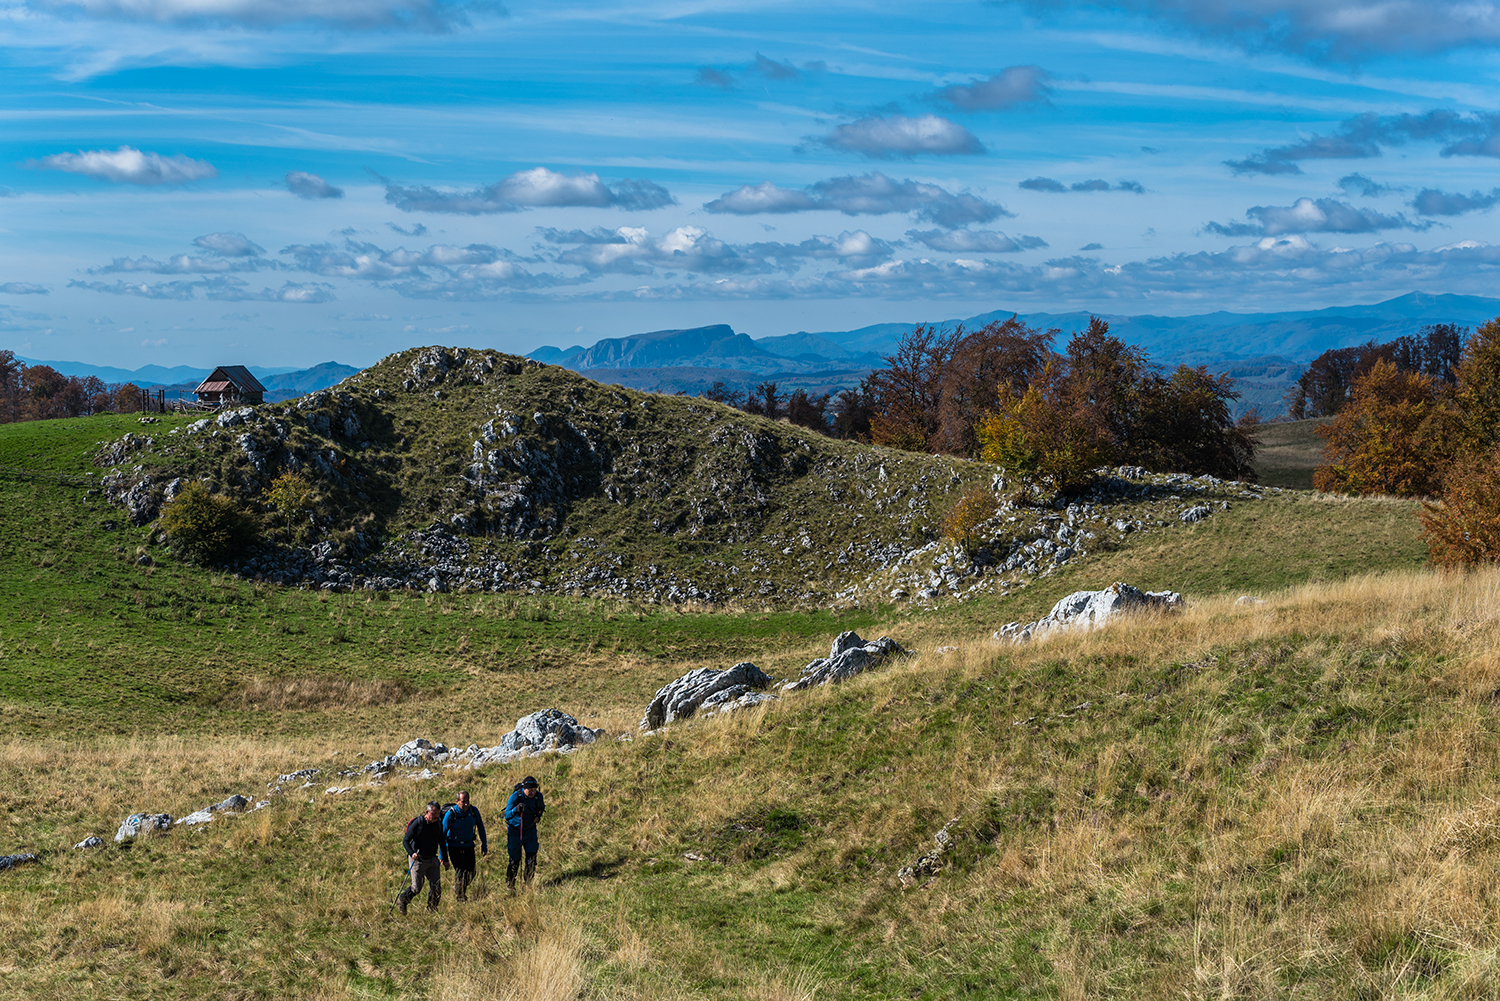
column 276, row 183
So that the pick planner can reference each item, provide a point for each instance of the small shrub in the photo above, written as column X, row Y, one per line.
column 973, row 509
column 1463, row 529
column 290, row 498
column 205, row 527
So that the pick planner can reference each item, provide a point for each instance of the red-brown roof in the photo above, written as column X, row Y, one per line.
column 213, row 387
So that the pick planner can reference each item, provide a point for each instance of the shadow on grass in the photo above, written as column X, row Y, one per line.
column 594, row 870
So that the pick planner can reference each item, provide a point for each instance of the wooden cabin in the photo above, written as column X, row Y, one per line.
column 230, row 385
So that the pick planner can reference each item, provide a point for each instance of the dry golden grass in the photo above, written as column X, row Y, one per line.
column 279, row 694
column 1188, row 842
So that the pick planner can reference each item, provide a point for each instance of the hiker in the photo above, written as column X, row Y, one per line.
column 460, row 824
column 425, row 845
column 522, row 811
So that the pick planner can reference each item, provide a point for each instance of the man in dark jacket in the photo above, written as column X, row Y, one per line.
column 425, row 845
column 460, row 824
column 522, row 811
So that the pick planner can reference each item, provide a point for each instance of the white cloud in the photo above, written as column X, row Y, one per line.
column 1308, row 215
column 22, row 288
column 310, row 186
column 975, row 241
column 229, row 245
column 416, row 15
column 886, row 137
column 1012, row 86
column 866, row 194
column 534, row 188
column 130, row 166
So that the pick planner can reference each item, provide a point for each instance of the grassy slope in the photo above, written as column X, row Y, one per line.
column 1246, row 790
column 1289, row 452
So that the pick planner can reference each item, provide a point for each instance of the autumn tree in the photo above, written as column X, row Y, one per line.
column 941, row 382
column 1393, row 438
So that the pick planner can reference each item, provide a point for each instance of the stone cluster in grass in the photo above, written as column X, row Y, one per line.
column 462, row 470
column 1083, row 610
column 848, row 656
column 709, row 689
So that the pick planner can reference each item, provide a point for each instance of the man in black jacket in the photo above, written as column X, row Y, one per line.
column 425, row 845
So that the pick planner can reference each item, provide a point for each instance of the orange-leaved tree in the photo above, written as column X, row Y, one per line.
column 1394, row 437
column 1463, row 528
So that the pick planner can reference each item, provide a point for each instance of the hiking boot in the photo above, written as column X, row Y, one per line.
column 401, row 901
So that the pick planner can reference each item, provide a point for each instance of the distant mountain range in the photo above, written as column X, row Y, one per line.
column 280, row 383
column 1265, row 352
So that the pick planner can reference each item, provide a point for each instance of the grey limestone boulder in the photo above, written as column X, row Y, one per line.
column 139, row 823
column 1084, row 610
column 706, row 686
column 848, row 656
column 547, row 730
column 234, row 804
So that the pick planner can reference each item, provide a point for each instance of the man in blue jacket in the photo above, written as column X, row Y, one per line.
column 522, row 811
column 460, row 824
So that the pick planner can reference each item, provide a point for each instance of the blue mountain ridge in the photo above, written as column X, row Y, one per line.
column 1208, row 338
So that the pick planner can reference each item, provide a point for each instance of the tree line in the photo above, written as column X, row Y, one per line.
column 40, row 392
column 1420, row 418
column 1000, row 393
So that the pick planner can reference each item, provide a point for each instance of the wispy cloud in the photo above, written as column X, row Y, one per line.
column 310, row 186
column 886, row 137
column 409, row 15
column 534, row 188
column 1012, row 86
column 1331, row 29
column 1364, row 136
column 22, row 288
column 774, row 70
column 866, row 194
column 127, row 165
column 229, row 245
column 1093, row 184
column 710, row 77
column 220, row 289
column 975, row 241
column 1359, row 184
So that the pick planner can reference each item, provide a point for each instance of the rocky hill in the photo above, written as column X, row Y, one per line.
column 453, row 468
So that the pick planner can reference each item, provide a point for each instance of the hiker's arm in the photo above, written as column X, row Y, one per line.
column 484, row 841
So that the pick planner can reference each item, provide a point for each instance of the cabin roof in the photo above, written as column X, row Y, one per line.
column 222, row 377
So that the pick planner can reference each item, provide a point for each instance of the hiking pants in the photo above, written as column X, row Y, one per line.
column 462, row 857
column 431, row 870
column 514, row 843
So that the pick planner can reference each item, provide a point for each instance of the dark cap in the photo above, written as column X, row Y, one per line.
column 529, row 782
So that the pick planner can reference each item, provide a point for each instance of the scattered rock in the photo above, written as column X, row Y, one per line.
column 302, row 773
column 1246, row 599
column 931, row 863
column 848, row 656
column 234, row 804
column 141, row 823
column 706, row 688
column 1196, row 513
column 1091, row 609
column 92, row 841
column 11, row 861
